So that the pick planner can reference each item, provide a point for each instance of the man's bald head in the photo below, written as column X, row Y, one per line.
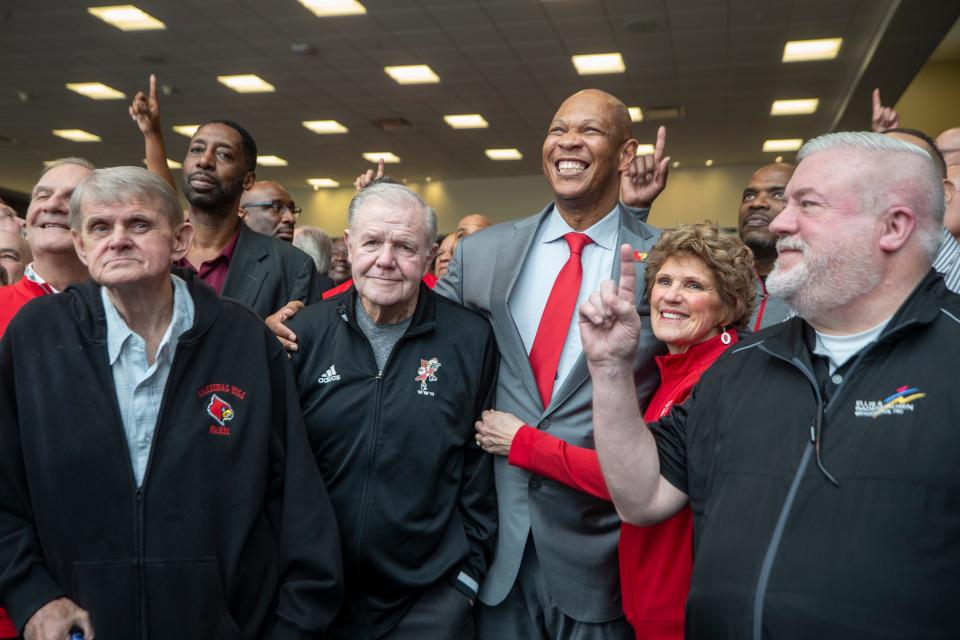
column 268, row 208
column 618, row 112
column 472, row 223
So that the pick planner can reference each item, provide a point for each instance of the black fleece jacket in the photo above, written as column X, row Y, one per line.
column 231, row 533
column 413, row 494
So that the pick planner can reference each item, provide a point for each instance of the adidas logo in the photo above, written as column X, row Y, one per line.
column 330, row 375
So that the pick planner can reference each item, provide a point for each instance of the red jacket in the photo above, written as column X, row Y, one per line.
column 11, row 299
column 655, row 562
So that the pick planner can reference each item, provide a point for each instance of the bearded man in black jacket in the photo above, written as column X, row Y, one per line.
column 155, row 480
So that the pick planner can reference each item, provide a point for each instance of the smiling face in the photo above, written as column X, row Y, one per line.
column 685, row 307
column 215, row 169
column 389, row 253
column 129, row 244
column 587, row 146
column 762, row 200
column 48, row 230
column 339, row 262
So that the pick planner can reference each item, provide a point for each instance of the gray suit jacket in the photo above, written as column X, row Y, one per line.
column 575, row 534
column 266, row 273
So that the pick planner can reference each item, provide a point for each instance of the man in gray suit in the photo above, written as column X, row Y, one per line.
column 555, row 570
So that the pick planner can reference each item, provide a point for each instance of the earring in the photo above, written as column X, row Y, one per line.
column 725, row 337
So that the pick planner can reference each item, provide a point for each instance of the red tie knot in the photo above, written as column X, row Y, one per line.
column 577, row 241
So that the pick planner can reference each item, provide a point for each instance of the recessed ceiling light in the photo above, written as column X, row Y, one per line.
column 173, row 164
column 794, row 107
column 126, row 17
column 76, row 135
column 428, row 179
column 599, row 63
column 186, row 129
column 271, row 161
column 329, row 8
column 636, row 114
column 504, row 154
column 248, row 83
column 708, row 163
column 676, row 164
column 323, row 183
column 412, row 74
column 645, row 149
column 466, row 121
column 95, row 90
column 778, row 159
column 788, row 144
column 377, row 156
column 324, row 126
column 805, row 50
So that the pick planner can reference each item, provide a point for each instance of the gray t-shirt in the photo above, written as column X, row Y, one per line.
column 382, row 337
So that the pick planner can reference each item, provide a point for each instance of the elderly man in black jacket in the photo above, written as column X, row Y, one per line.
column 155, row 480
column 391, row 379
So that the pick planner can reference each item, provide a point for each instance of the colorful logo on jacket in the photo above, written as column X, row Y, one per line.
column 640, row 256
column 897, row 404
column 427, row 373
column 219, row 409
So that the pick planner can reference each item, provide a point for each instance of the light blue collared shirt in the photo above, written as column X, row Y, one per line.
column 546, row 258
column 140, row 387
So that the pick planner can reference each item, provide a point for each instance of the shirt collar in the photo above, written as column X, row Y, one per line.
column 30, row 274
column 604, row 232
column 118, row 332
column 225, row 254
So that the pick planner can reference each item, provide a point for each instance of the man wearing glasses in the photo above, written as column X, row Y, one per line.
column 267, row 208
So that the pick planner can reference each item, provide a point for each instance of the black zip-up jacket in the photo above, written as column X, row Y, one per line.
column 826, row 519
column 413, row 494
column 230, row 535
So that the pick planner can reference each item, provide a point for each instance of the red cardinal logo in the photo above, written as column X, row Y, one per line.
column 220, row 410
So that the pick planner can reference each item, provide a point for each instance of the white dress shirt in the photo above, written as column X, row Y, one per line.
column 546, row 258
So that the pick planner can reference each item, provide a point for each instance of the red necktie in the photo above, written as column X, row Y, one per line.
column 555, row 321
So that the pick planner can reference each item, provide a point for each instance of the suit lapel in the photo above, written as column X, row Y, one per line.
column 636, row 236
column 246, row 273
column 515, row 254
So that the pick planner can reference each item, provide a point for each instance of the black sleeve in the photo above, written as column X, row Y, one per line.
column 670, row 433
column 306, row 285
column 25, row 583
column 311, row 587
column 478, row 496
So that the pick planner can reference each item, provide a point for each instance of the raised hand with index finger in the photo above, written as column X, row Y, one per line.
column 646, row 177
column 609, row 322
column 883, row 117
column 145, row 109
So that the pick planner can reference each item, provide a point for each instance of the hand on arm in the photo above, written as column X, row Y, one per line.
column 275, row 322
column 610, row 331
column 145, row 111
column 496, row 430
column 54, row 620
column 646, row 177
column 883, row 117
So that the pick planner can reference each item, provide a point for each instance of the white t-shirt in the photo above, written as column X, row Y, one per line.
column 839, row 349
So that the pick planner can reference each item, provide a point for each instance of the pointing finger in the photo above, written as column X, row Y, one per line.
column 380, row 168
column 628, row 274
column 153, row 87
column 661, row 144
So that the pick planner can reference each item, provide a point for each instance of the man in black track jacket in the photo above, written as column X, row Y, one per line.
column 821, row 456
column 391, row 380
column 155, row 476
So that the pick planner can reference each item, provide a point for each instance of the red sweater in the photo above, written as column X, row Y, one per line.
column 655, row 562
column 11, row 299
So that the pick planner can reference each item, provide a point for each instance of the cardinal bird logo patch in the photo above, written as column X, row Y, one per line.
column 220, row 410
column 427, row 373
column 639, row 256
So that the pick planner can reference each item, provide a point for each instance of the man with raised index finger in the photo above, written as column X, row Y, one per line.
column 555, row 570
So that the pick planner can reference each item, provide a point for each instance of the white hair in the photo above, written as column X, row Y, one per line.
column 315, row 243
column 124, row 184
column 906, row 169
column 395, row 195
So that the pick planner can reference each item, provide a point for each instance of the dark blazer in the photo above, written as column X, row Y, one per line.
column 266, row 273
column 575, row 534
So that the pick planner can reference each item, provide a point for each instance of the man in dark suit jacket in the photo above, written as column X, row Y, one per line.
column 555, row 571
column 260, row 271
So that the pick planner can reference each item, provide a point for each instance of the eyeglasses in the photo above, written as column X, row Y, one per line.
column 277, row 206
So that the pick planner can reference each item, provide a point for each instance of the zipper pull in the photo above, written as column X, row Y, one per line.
column 380, row 374
column 813, row 434
column 139, row 495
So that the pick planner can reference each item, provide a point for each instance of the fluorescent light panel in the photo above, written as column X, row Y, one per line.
column 708, row 163
column 504, row 154
column 636, row 114
column 794, row 107
column 126, row 17
column 323, row 183
column 412, row 74
column 787, row 144
column 599, row 63
column 377, row 156
column 271, row 161
column 186, row 129
column 76, row 135
column 173, row 164
column 330, row 8
column 324, row 127
column 95, row 90
column 806, row 50
column 645, row 149
column 466, row 121
column 248, row 83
